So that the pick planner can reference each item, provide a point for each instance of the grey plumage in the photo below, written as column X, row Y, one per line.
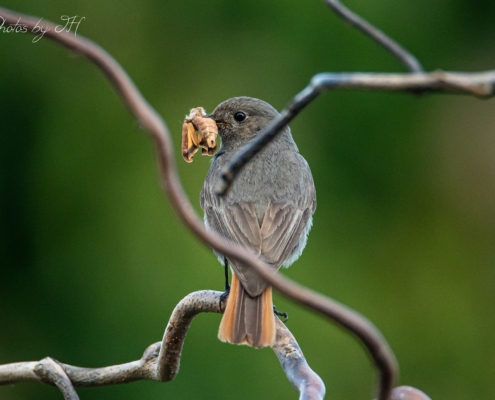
column 269, row 207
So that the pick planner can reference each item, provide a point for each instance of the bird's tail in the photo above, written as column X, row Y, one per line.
column 248, row 320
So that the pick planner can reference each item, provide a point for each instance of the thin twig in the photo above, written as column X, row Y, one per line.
column 404, row 56
column 150, row 120
column 479, row 84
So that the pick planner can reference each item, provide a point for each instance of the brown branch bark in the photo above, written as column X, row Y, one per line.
column 150, row 120
column 160, row 361
column 175, row 333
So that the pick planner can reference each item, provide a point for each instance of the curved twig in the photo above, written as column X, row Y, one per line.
column 160, row 361
column 286, row 348
column 404, row 56
column 49, row 371
column 295, row 366
column 143, row 368
column 46, row 371
column 480, row 84
column 169, row 358
column 150, row 120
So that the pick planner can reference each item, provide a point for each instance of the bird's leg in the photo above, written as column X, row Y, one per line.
column 226, row 266
column 281, row 314
column 225, row 294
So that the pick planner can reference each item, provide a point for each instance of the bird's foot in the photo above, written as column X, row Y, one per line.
column 223, row 296
column 281, row 314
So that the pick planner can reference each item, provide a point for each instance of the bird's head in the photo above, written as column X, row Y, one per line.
column 239, row 119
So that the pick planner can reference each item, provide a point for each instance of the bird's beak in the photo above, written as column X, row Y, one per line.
column 220, row 122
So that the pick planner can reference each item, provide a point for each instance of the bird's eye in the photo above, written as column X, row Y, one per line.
column 239, row 116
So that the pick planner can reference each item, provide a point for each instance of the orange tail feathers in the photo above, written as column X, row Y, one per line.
column 248, row 320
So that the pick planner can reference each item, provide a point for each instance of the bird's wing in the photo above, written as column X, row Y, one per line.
column 237, row 223
column 286, row 222
column 273, row 242
column 277, row 236
column 282, row 227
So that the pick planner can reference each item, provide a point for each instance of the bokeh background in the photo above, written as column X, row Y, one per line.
column 93, row 259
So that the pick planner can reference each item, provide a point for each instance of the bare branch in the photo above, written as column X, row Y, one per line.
column 302, row 377
column 51, row 372
column 359, row 326
column 116, row 374
column 88, row 377
column 18, row 372
column 411, row 63
column 175, row 333
column 293, row 362
column 47, row 371
column 161, row 362
column 479, row 84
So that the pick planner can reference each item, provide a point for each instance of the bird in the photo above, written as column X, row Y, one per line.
column 269, row 209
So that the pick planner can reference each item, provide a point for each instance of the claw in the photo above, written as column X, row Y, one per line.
column 223, row 296
column 281, row 314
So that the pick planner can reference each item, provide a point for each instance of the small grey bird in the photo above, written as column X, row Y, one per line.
column 268, row 209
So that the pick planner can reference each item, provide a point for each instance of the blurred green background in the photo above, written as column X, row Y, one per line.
column 93, row 259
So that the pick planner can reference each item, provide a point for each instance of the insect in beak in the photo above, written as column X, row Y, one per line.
column 198, row 120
